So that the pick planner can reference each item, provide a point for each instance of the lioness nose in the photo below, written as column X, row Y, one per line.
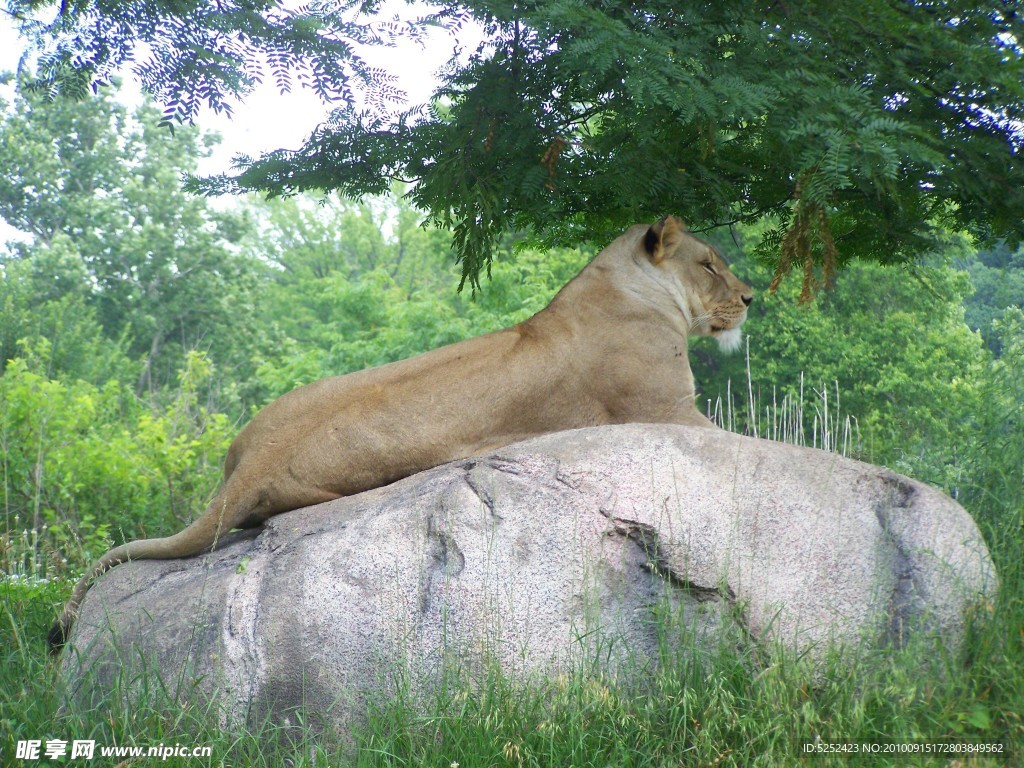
column 748, row 299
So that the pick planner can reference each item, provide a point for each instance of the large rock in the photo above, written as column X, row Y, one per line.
column 536, row 556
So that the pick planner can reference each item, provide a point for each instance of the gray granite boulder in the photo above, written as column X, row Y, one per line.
column 535, row 558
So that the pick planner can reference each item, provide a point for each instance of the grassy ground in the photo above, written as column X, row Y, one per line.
column 725, row 711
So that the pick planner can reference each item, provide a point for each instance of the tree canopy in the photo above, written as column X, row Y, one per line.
column 97, row 190
column 860, row 127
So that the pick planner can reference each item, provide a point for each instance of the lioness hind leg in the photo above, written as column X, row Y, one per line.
column 243, row 502
column 234, row 506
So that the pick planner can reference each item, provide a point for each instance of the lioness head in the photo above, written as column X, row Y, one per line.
column 712, row 299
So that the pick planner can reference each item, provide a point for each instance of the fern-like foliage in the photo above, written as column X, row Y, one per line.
column 194, row 54
column 861, row 125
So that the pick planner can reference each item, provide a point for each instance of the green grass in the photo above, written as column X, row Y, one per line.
column 721, row 710
column 812, row 416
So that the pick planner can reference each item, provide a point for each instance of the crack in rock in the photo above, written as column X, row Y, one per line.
column 245, row 659
column 897, row 496
column 507, row 466
column 646, row 537
column 446, row 561
column 539, row 472
column 483, row 494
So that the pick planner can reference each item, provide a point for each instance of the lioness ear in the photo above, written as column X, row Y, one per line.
column 663, row 237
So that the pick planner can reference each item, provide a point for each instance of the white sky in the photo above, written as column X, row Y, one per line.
column 269, row 120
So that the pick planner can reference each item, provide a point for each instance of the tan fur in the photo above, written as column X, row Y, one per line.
column 610, row 348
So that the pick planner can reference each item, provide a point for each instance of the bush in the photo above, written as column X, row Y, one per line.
column 84, row 464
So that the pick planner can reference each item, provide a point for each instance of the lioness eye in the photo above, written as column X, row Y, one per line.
column 708, row 267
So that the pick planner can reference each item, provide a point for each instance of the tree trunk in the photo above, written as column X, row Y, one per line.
column 145, row 383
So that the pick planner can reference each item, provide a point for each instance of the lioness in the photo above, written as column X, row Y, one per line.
column 610, row 348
